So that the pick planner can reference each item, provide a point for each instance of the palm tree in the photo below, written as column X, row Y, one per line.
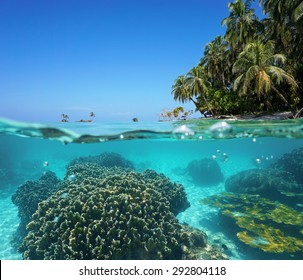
column 92, row 115
column 285, row 25
column 169, row 114
column 182, row 91
column 197, row 81
column 293, row 9
column 241, row 25
column 177, row 111
column 259, row 71
column 277, row 25
column 215, row 61
column 64, row 118
column 297, row 13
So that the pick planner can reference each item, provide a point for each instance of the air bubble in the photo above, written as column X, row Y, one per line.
column 183, row 131
column 221, row 129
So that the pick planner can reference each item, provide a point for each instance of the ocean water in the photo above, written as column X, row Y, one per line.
column 27, row 151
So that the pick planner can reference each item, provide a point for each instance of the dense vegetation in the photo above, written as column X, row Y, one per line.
column 256, row 67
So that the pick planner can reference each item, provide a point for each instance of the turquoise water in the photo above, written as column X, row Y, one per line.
column 27, row 151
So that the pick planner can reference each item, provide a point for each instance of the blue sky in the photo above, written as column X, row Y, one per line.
column 117, row 58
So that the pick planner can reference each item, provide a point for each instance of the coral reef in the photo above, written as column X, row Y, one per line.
column 104, row 159
column 117, row 217
column 282, row 180
column 205, row 172
column 174, row 193
column 195, row 247
column 114, row 213
column 268, row 225
column 293, row 163
column 270, row 182
column 28, row 196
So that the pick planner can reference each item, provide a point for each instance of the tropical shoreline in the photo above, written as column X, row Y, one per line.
column 255, row 67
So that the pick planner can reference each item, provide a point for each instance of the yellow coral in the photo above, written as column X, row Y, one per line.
column 269, row 225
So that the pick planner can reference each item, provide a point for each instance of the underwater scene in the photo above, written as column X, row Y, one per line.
column 187, row 190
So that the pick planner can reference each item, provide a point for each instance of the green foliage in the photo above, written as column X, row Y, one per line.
column 241, row 24
column 194, row 84
column 258, row 71
column 262, row 60
column 177, row 111
column 226, row 102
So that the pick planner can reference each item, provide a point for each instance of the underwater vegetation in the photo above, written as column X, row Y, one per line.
column 261, row 223
column 205, row 172
column 100, row 212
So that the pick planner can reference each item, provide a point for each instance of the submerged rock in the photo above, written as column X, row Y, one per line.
column 282, row 180
column 205, row 172
column 270, row 182
column 195, row 246
column 293, row 163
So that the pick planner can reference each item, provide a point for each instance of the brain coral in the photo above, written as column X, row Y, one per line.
column 117, row 217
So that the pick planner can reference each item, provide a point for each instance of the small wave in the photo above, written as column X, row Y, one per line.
column 182, row 130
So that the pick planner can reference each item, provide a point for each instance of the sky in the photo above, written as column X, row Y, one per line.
column 116, row 58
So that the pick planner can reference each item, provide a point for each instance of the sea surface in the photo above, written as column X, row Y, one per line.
column 185, row 152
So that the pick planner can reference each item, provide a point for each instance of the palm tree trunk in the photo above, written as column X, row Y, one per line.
column 197, row 105
column 280, row 94
column 207, row 104
column 222, row 74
